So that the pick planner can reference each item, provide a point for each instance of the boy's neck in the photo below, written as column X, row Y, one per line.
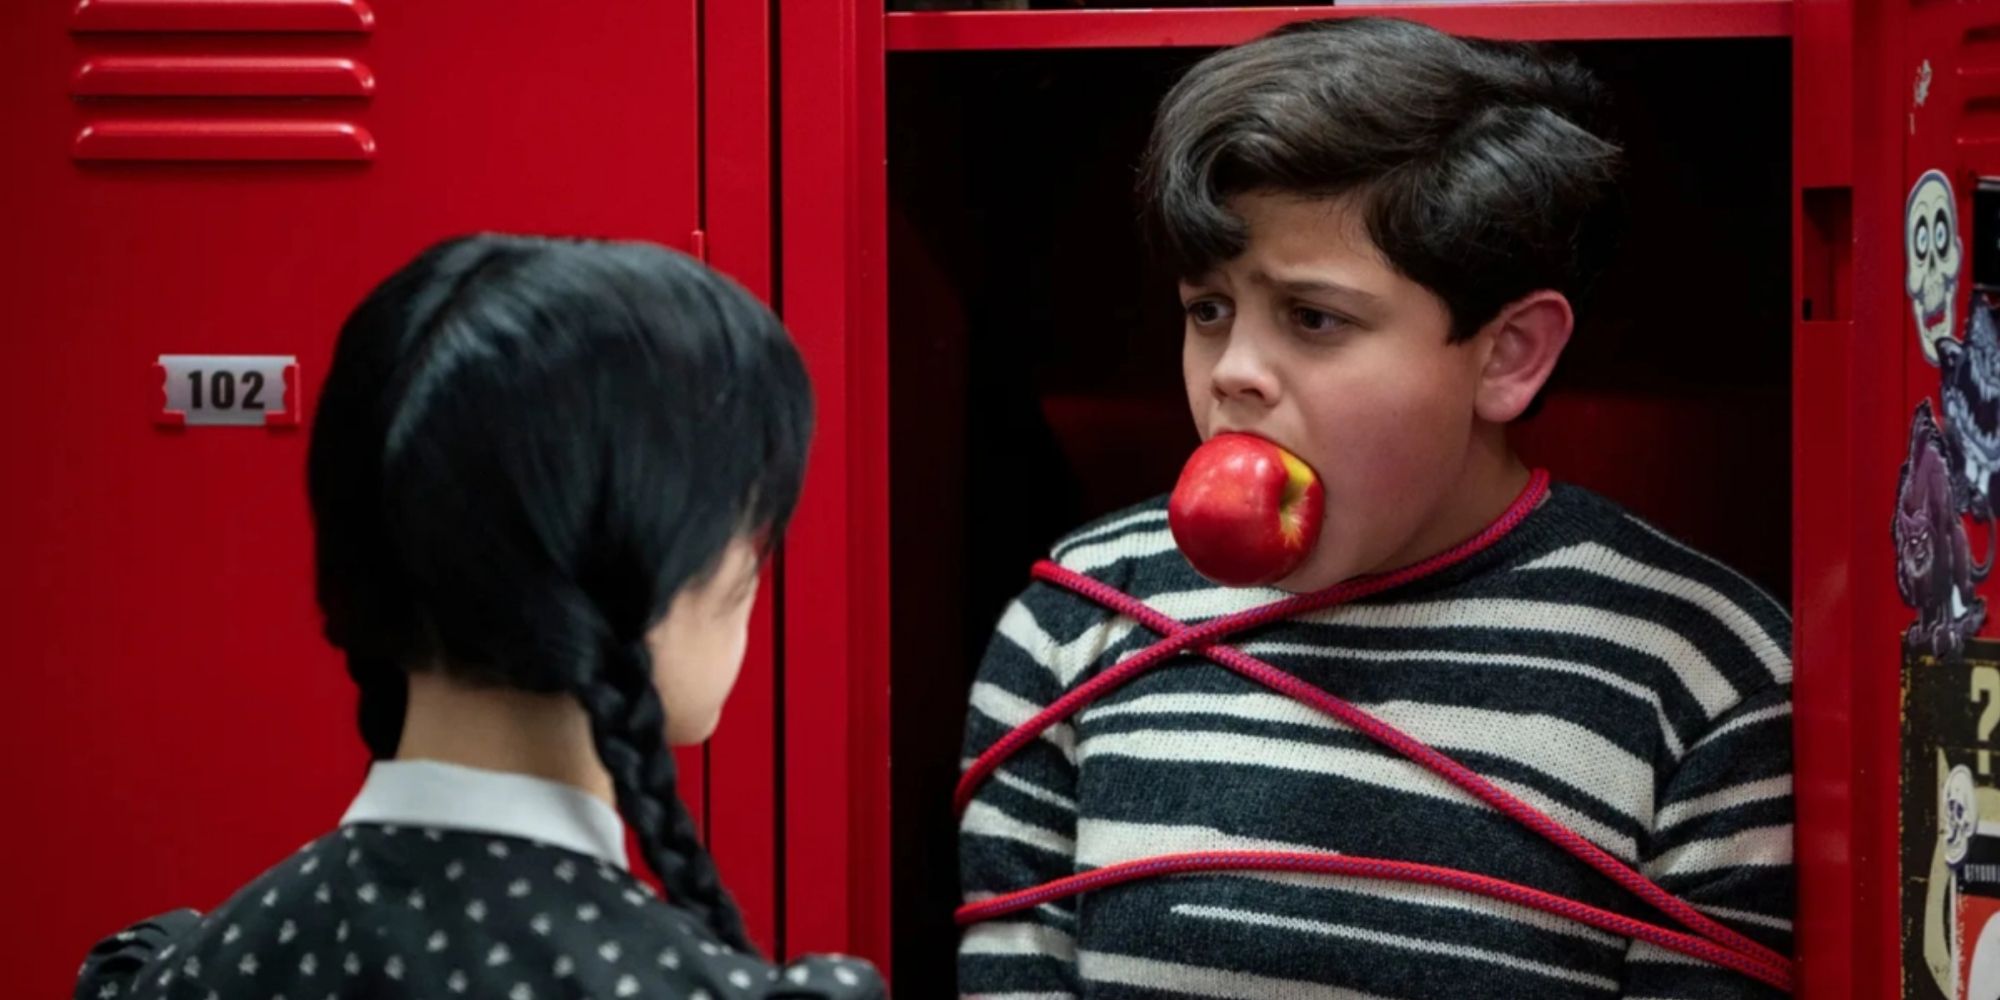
column 541, row 735
column 1491, row 480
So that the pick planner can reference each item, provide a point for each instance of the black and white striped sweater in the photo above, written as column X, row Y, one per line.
column 1631, row 688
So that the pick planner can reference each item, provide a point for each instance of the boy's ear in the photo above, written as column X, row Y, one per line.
column 1523, row 343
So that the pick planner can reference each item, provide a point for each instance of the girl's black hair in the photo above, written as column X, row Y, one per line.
column 524, row 448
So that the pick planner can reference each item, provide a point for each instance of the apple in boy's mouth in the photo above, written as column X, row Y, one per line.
column 1246, row 512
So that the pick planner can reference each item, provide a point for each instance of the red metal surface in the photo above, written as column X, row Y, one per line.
column 222, row 76
column 175, row 723
column 1823, row 496
column 1849, row 612
column 223, row 15
column 1924, row 77
column 1878, row 407
column 1216, row 26
column 833, row 211
column 225, row 140
column 737, row 239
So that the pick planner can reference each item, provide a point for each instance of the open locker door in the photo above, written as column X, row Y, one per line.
column 219, row 178
column 1944, row 358
column 1897, row 404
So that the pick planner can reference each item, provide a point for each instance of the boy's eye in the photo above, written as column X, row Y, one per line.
column 1317, row 321
column 1207, row 311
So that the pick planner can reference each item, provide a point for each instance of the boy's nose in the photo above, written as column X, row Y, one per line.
column 1243, row 374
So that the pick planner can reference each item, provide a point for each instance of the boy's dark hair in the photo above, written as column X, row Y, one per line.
column 1477, row 163
column 523, row 450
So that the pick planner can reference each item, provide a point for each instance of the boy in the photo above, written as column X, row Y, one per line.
column 1379, row 231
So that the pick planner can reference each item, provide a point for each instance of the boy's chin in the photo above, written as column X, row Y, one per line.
column 1336, row 561
column 1321, row 570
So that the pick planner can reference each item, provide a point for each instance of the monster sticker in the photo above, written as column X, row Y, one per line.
column 1932, row 258
column 1970, row 389
column 1934, row 568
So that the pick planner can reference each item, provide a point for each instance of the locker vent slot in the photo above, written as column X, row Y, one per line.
column 230, row 125
column 316, row 16
column 222, row 76
column 225, row 140
column 1978, row 84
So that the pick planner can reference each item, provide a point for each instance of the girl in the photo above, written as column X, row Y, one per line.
column 543, row 476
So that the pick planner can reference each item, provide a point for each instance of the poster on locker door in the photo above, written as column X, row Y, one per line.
column 1950, row 850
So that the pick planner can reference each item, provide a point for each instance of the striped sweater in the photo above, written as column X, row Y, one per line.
column 1634, row 690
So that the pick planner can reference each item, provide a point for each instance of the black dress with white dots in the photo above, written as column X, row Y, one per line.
column 379, row 912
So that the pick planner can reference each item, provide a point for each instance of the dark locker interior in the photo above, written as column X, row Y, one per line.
column 1035, row 356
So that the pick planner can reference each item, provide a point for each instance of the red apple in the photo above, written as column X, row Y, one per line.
column 1246, row 512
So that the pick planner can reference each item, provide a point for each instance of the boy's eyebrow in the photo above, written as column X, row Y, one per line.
column 1314, row 286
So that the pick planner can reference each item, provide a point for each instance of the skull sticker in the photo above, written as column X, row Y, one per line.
column 1932, row 258
column 1958, row 814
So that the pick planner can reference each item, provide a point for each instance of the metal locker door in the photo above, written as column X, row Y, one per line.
column 1947, row 845
column 1897, row 389
column 220, row 177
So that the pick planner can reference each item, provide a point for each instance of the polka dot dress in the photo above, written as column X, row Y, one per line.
column 380, row 912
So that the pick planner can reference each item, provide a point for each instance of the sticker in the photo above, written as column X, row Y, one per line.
column 1958, row 814
column 1949, row 849
column 1969, row 386
column 1980, row 964
column 1932, row 258
column 228, row 390
column 1934, row 568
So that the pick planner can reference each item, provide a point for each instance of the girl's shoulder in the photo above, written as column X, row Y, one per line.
column 382, row 913
column 689, row 960
column 173, row 953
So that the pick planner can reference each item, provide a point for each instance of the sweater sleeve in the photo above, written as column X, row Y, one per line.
column 1020, row 829
column 1723, row 842
column 115, row 966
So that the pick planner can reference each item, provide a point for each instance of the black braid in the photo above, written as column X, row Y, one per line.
column 628, row 724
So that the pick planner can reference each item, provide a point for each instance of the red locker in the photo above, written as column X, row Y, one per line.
column 218, row 177
column 1897, row 246
column 226, row 177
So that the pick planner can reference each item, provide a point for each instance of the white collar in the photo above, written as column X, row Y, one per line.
column 450, row 796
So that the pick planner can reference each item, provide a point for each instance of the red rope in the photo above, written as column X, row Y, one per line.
column 1374, row 868
column 1205, row 639
column 1201, row 637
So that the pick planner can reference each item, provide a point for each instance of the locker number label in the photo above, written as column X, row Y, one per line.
column 229, row 390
